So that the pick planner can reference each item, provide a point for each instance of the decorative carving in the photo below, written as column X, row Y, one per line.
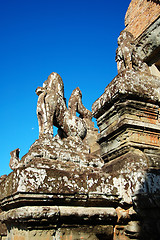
column 14, row 160
column 75, row 105
column 52, row 110
column 126, row 55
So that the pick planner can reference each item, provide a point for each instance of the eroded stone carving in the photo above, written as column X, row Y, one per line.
column 126, row 55
column 76, row 138
column 75, row 105
column 2, row 177
column 14, row 160
column 52, row 110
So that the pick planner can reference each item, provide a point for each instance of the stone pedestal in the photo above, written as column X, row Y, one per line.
column 61, row 189
column 128, row 114
column 128, row 118
column 56, row 193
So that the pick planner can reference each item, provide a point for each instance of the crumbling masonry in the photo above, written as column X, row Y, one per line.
column 81, row 184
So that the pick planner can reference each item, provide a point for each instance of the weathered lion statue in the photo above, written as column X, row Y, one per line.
column 52, row 110
column 126, row 54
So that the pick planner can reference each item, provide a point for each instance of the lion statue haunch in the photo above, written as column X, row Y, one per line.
column 14, row 160
column 126, row 55
column 52, row 110
column 75, row 105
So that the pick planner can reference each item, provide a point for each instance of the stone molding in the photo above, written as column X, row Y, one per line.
column 56, row 213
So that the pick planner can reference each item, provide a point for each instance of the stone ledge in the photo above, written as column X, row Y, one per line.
column 137, row 84
column 88, row 200
column 57, row 213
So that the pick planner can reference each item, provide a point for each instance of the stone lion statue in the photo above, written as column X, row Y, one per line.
column 52, row 109
column 126, row 54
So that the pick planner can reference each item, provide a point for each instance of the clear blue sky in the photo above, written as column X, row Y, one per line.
column 75, row 38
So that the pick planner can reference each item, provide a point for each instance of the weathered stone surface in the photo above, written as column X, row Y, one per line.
column 128, row 118
column 123, row 179
column 138, row 84
column 140, row 15
column 66, row 233
column 128, row 111
column 126, row 232
column 143, row 21
column 67, row 149
column 148, row 43
column 2, row 177
column 62, row 172
column 127, row 56
column 132, row 178
column 14, row 160
column 52, row 109
column 3, row 230
column 55, row 182
column 128, row 114
column 64, row 182
column 55, row 214
column 62, row 188
column 129, row 123
column 92, row 137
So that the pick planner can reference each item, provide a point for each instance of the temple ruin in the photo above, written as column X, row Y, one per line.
column 81, row 184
